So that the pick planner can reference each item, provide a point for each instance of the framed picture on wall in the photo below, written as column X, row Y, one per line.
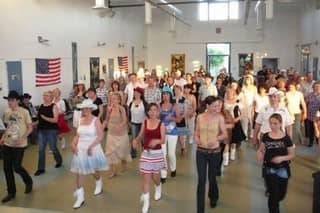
column 178, row 62
column 94, row 71
column 245, row 60
column 141, row 64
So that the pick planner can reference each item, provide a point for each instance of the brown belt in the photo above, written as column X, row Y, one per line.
column 209, row 151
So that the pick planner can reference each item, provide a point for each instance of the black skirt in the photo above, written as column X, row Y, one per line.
column 237, row 134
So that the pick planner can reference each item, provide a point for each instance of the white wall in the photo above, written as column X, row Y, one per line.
column 309, row 28
column 278, row 40
column 63, row 22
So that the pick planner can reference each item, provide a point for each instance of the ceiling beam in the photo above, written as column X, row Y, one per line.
column 111, row 5
column 246, row 11
column 170, row 13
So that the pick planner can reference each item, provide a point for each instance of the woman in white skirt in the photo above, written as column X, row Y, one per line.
column 88, row 155
column 152, row 158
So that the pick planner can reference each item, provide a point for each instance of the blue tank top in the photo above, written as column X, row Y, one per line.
column 171, row 127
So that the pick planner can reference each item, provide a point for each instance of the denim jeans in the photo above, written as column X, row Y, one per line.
column 210, row 162
column 135, row 129
column 12, row 161
column 48, row 136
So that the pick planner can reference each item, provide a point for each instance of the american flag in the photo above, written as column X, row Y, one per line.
column 123, row 63
column 48, row 71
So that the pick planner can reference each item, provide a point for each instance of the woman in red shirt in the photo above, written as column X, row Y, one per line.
column 152, row 157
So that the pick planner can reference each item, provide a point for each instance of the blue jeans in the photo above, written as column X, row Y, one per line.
column 207, row 164
column 48, row 136
column 135, row 129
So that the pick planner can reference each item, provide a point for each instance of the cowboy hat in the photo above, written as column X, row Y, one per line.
column 87, row 103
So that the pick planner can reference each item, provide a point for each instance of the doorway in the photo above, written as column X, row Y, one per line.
column 14, row 70
column 270, row 63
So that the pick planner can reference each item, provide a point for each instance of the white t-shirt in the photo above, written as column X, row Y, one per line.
column 266, row 112
column 137, row 113
column 294, row 99
column 247, row 97
column 261, row 102
column 61, row 106
column 129, row 91
column 181, row 82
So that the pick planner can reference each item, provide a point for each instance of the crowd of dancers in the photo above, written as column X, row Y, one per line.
column 149, row 116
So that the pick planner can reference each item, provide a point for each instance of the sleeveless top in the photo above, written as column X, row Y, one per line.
column 137, row 113
column 114, row 121
column 181, row 104
column 87, row 134
column 171, row 126
column 188, row 105
column 48, row 112
column 207, row 132
column 150, row 134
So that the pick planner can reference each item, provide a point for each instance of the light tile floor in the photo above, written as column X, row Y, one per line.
column 241, row 187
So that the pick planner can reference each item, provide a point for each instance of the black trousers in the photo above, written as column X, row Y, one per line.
column 277, row 188
column 309, row 128
column 12, row 161
column 207, row 163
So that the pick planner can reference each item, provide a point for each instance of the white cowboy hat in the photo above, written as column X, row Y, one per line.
column 80, row 82
column 274, row 91
column 87, row 103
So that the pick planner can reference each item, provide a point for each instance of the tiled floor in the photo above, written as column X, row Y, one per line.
column 241, row 187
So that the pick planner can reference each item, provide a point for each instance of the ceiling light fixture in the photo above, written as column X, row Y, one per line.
column 100, row 4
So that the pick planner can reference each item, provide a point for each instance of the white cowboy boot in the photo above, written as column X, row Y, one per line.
column 79, row 193
column 98, row 190
column 233, row 154
column 63, row 143
column 145, row 199
column 157, row 192
column 226, row 159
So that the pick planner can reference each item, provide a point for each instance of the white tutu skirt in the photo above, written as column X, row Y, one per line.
column 84, row 164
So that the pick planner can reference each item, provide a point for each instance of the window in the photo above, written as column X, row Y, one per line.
column 234, row 10
column 218, row 11
column 218, row 57
column 203, row 11
column 228, row 10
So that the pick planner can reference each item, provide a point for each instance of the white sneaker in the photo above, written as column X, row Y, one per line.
column 79, row 194
column 226, row 159
column 63, row 143
column 146, row 202
column 98, row 190
column 233, row 154
column 157, row 192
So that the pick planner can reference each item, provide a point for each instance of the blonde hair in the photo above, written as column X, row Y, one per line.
column 118, row 96
column 58, row 90
column 50, row 93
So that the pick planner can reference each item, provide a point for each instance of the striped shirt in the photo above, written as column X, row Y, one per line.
column 152, row 95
